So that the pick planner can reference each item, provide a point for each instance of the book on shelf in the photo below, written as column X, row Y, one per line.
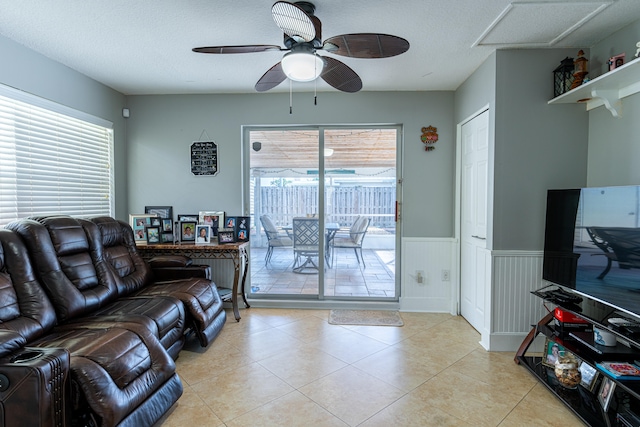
column 620, row 370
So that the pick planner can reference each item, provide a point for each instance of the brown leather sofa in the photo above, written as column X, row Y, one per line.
column 78, row 310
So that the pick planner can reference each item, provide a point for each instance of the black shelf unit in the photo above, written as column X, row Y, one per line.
column 582, row 402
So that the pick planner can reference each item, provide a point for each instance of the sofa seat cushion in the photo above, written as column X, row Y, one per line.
column 114, row 370
column 165, row 317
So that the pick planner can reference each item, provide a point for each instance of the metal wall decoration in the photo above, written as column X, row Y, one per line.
column 429, row 137
column 204, row 158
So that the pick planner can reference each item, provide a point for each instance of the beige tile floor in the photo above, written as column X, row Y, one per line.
column 283, row 367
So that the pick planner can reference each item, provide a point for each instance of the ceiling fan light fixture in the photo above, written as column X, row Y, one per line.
column 302, row 66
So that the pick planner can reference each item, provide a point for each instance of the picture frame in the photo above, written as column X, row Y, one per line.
column 204, row 233
column 167, row 225
column 188, row 217
column 616, row 61
column 212, row 218
column 230, row 222
column 226, row 236
column 589, row 375
column 161, row 211
column 166, row 237
column 153, row 235
column 551, row 351
column 241, row 226
column 139, row 223
column 187, row 231
column 140, row 235
column 156, row 221
column 606, row 392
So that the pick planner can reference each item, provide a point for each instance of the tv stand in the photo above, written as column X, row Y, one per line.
column 583, row 400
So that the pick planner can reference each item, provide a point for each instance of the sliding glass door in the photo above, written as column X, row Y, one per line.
column 323, row 204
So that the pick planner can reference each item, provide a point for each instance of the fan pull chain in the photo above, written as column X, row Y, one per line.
column 290, row 98
column 315, row 82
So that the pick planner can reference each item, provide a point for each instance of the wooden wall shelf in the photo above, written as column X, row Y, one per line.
column 607, row 89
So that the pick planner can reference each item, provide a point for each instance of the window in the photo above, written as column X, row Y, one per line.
column 53, row 159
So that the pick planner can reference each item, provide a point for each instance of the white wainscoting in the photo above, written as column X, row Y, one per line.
column 431, row 256
column 514, row 308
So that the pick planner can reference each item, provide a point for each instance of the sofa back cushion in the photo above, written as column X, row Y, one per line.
column 25, row 311
column 60, row 251
column 120, row 252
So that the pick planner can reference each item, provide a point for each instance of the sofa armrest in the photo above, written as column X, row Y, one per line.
column 162, row 274
column 170, row 261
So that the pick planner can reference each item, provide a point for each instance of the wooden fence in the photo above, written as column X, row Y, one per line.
column 343, row 204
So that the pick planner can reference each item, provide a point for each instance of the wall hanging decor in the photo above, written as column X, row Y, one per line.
column 429, row 137
column 204, row 156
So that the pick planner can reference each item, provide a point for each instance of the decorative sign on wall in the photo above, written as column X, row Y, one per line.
column 204, row 158
column 429, row 137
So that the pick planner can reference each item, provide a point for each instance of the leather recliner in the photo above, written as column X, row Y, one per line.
column 204, row 307
column 82, row 287
column 120, row 374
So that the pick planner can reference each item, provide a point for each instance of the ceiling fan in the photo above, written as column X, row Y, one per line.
column 302, row 39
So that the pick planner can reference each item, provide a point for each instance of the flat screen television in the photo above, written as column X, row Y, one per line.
column 592, row 244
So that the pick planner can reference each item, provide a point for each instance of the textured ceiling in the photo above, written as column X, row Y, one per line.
column 144, row 46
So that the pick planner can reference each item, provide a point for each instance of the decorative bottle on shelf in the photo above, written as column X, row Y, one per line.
column 567, row 370
column 580, row 66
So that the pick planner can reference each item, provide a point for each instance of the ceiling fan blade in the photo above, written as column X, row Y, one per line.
column 366, row 45
column 340, row 76
column 293, row 21
column 272, row 78
column 236, row 49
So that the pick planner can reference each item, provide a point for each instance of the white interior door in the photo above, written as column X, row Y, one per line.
column 473, row 214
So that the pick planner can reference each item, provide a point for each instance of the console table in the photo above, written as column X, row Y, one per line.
column 236, row 252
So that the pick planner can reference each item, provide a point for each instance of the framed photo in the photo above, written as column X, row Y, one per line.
column 551, row 351
column 166, row 237
column 167, row 225
column 161, row 211
column 589, row 376
column 213, row 218
column 156, row 221
column 226, row 236
column 188, row 217
column 606, row 392
column 140, row 235
column 188, row 231
column 230, row 222
column 139, row 223
column 616, row 61
column 203, row 234
column 153, row 235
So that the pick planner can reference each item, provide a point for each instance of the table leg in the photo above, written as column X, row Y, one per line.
column 245, row 256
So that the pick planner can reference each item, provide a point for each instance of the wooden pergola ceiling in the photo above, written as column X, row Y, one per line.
column 352, row 148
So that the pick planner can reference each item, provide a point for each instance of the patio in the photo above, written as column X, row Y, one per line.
column 346, row 278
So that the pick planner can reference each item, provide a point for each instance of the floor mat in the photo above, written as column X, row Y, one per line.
column 365, row 317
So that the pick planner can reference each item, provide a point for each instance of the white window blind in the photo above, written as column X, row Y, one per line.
column 52, row 160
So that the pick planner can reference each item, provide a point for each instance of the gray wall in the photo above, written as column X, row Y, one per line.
column 537, row 146
column 162, row 128
column 614, row 143
column 534, row 146
column 38, row 75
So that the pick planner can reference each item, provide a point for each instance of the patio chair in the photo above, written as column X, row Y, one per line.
column 353, row 241
column 306, row 241
column 274, row 238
